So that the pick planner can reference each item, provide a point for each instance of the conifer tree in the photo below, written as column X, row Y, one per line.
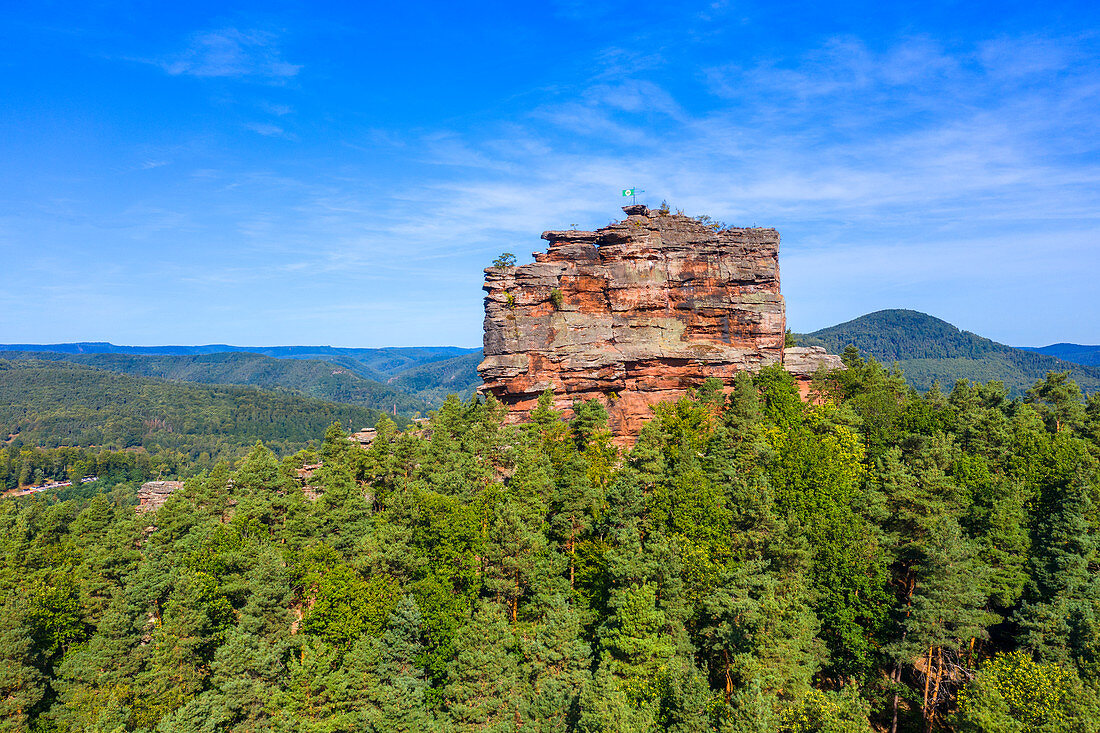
column 95, row 682
column 1058, row 400
column 384, row 687
column 482, row 688
column 22, row 684
column 555, row 665
column 513, row 552
column 946, row 615
column 1060, row 617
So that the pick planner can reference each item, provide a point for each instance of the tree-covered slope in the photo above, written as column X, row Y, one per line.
column 49, row 404
column 434, row 381
column 929, row 349
column 1078, row 353
column 311, row 377
column 876, row 560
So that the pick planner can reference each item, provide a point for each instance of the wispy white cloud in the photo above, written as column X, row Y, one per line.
column 231, row 52
column 266, row 129
column 915, row 174
column 909, row 169
column 279, row 110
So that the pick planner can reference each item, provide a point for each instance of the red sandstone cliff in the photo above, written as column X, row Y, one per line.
column 632, row 314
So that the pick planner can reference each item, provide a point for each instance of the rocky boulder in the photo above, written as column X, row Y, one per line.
column 153, row 494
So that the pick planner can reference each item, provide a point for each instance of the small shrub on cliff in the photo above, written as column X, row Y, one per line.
column 712, row 224
column 556, row 298
column 507, row 259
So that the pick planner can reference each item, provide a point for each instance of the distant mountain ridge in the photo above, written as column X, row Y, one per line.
column 929, row 349
column 415, row 379
column 1078, row 353
column 373, row 363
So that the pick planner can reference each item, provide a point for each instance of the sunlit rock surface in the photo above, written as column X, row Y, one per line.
column 632, row 314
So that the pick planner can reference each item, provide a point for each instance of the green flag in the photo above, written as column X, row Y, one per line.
column 628, row 192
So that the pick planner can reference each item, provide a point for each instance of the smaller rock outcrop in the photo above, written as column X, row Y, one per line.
column 803, row 362
column 153, row 494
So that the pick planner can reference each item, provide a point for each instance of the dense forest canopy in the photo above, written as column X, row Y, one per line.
column 1077, row 353
column 51, row 404
column 873, row 557
column 373, row 363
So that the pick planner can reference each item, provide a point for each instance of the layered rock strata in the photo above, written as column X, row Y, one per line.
column 633, row 314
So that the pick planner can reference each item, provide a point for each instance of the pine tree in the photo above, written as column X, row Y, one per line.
column 513, row 551
column 1060, row 618
column 310, row 699
column 1059, row 402
column 385, row 689
column 482, row 691
column 250, row 665
column 947, row 612
column 635, row 646
column 258, row 471
column 22, row 684
column 555, row 666
column 95, row 682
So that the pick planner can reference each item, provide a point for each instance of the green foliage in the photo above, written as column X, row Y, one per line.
column 507, row 259
column 752, row 563
column 337, row 380
column 828, row 712
column 59, row 404
column 1012, row 692
column 346, row 606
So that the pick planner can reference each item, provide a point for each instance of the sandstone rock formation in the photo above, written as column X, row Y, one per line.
column 805, row 361
column 632, row 314
column 153, row 494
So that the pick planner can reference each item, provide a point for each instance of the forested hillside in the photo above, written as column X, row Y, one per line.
column 877, row 557
column 1076, row 353
column 434, row 381
column 931, row 350
column 415, row 380
column 308, row 377
column 59, row 404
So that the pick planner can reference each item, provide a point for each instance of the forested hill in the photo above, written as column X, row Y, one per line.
column 932, row 350
column 311, row 377
column 1079, row 353
column 53, row 404
column 435, row 380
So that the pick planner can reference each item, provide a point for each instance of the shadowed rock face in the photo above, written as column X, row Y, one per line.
column 632, row 314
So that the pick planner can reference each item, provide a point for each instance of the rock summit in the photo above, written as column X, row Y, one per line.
column 635, row 313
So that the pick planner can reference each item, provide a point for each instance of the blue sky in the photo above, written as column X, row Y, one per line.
column 282, row 174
